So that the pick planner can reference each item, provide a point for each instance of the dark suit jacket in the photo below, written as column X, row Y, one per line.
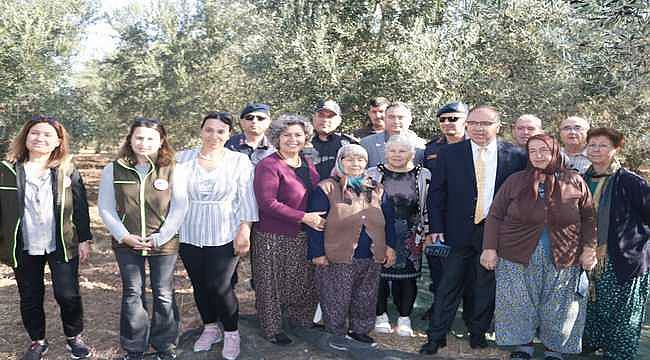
column 452, row 193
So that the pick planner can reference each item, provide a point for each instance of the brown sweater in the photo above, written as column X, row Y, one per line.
column 516, row 219
column 348, row 213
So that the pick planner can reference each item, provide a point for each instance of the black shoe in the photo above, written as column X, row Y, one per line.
column 133, row 355
column 36, row 351
column 280, row 339
column 362, row 338
column 166, row 355
column 477, row 341
column 521, row 355
column 431, row 347
column 77, row 348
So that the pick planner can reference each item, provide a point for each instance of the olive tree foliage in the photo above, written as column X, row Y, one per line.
column 175, row 61
column 38, row 39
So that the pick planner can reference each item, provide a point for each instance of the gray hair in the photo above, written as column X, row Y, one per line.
column 280, row 125
column 402, row 140
column 400, row 104
column 345, row 151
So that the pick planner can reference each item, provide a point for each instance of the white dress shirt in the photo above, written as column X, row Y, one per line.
column 490, row 172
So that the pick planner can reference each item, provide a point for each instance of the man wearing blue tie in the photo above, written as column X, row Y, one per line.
column 467, row 174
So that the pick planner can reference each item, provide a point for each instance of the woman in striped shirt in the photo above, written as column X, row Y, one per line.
column 217, row 228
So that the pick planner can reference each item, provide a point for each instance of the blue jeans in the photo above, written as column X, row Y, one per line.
column 137, row 331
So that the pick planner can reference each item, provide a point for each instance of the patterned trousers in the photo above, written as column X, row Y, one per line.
column 283, row 278
column 349, row 291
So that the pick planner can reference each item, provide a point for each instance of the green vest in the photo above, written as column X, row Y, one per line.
column 12, row 199
column 143, row 202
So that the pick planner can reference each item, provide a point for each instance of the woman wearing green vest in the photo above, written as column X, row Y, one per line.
column 142, row 202
column 44, row 219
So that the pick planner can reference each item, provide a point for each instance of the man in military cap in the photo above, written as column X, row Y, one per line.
column 254, row 120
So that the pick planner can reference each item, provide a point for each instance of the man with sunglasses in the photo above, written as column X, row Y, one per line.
column 524, row 127
column 573, row 135
column 451, row 118
column 253, row 120
column 326, row 142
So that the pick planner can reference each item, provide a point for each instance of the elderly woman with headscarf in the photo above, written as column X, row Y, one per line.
column 619, row 292
column 358, row 238
column 406, row 186
column 540, row 231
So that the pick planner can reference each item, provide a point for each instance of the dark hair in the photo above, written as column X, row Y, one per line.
column 165, row 153
column 497, row 115
column 18, row 150
column 222, row 116
column 378, row 101
column 615, row 136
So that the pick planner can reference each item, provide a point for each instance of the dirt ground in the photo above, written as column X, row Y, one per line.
column 101, row 291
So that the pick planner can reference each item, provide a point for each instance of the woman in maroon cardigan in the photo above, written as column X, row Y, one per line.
column 540, row 231
column 282, row 275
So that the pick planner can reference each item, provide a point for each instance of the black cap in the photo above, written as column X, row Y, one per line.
column 454, row 107
column 255, row 108
column 329, row 105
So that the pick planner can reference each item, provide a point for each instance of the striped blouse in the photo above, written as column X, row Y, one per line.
column 219, row 199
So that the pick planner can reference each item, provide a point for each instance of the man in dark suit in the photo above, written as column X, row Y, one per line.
column 466, row 177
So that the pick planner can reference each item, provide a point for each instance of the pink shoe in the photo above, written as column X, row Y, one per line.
column 231, row 345
column 211, row 335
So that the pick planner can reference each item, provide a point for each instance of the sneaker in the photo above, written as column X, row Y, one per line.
column 133, row 355
column 36, row 350
column 231, row 345
column 339, row 342
column 211, row 335
column 77, row 348
column 404, row 326
column 362, row 338
column 382, row 324
column 166, row 355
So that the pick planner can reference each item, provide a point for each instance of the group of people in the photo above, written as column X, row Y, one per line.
column 547, row 238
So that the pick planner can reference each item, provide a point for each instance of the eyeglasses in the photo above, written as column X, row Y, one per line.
column 598, row 146
column 481, row 123
column 568, row 128
column 44, row 118
column 255, row 117
column 452, row 119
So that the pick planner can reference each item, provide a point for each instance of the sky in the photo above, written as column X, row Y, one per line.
column 100, row 37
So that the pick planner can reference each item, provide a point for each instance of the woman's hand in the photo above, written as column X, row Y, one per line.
column 588, row 258
column 136, row 242
column 389, row 257
column 320, row 261
column 242, row 243
column 489, row 259
column 314, row 220
column 84, row 251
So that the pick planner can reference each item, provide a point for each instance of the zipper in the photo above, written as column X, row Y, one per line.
column 143, row 226
column 62, row 205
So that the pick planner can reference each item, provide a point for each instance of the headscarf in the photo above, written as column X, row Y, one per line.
column 552, row 170
column 360, row 183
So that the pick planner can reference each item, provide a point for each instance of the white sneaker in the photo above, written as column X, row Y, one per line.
column 211, row 334
column 230, row 345
column 382, row 324
column 404, row 326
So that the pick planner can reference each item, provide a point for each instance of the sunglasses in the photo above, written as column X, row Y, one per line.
column 255, row 117
column 452, row 119
column 43, row 118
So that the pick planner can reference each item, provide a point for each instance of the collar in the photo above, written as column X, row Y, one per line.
column 491, row 147
column 583, row 153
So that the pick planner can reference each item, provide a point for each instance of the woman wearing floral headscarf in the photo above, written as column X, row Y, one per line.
column 540, row 231
column 357, row 239
column 621, row 283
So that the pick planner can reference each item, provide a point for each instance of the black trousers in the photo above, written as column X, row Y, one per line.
column 436, row 269
column 31, row 287
column 211, row 271
column 463, row 270
column 404, row 292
